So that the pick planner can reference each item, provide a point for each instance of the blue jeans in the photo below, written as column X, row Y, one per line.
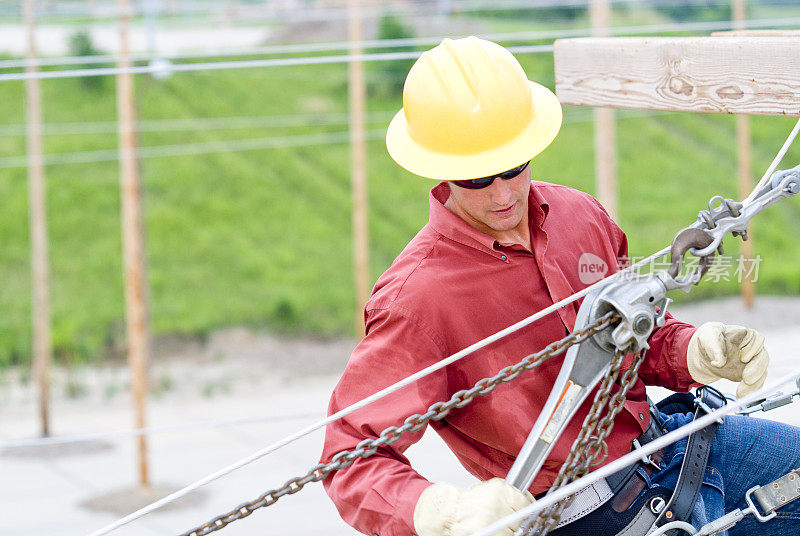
column 745, row 452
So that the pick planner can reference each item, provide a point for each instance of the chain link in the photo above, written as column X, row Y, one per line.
column 590, row 448
column 414, row 423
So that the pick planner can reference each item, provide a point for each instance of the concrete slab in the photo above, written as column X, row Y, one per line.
column 47, row 494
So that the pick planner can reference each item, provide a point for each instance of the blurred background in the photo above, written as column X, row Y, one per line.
column 243, row 120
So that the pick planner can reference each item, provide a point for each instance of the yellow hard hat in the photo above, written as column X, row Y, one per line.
column 470, row 111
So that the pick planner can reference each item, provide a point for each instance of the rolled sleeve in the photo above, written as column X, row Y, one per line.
column 665, row 364
column 377, row 495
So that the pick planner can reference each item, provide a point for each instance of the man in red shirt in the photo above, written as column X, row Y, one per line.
column 496, row 249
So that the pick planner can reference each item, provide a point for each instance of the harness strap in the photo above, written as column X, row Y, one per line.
column 582, row 517
column 694, row 463
column 617, row 480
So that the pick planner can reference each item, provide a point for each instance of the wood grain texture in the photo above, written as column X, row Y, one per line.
column 748, row 75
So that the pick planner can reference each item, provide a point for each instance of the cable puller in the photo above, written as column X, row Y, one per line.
column 616, row 318
column 639, row 304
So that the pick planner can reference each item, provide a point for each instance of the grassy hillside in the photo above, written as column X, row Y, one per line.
column 262, row 238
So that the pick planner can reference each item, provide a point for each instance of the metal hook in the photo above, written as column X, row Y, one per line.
column 690, row 238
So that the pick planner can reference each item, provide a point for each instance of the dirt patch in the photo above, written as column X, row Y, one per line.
column 44, row 451
column 259, row 353
column 126, row 500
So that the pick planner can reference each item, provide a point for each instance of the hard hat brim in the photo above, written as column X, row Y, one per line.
column 534, row 138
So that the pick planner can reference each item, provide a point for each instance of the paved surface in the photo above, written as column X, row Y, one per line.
column 63, row 490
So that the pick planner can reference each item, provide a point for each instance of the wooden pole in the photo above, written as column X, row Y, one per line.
column 40, row 307
column 132, row 240
column 358, row 159
column 605, row 135
column 744, row 152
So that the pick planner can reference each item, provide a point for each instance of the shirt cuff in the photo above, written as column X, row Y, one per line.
column 409, row 500
column 678, row 351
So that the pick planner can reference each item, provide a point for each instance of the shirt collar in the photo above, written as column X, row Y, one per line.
column 453, row 227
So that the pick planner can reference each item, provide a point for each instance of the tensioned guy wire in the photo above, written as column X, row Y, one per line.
column 199, row 123
column 200, row 148
column 264, row 12
column 393, row 43
column 230, row 146
column 370, row 399
column 399, row 385
column 775, row 161
column 338, row 58
column 214, row 65
column 632, row 457
column 77, row 128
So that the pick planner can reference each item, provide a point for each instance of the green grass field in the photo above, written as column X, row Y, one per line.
column 262, row 238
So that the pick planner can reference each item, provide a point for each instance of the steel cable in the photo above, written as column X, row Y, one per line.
column 561, row 493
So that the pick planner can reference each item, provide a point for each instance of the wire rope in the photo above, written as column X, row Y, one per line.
column 204, row 123
column 247, row 144
column 368, row 400
column 561, row 493
column 390, row 43
column 239, row 11
column 632, row 457
column 189, row 149
column 212, row 66
column 158, row 69
column 775, row 161
column 572, row 115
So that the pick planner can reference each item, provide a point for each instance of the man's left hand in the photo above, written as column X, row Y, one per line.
column 736, row 353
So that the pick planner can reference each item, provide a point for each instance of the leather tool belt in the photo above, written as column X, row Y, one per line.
column 634, row 509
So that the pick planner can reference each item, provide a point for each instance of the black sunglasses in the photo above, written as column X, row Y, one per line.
column 483, row 182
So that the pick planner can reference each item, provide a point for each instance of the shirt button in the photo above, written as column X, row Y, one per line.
column 504, row 258
column 641, row 416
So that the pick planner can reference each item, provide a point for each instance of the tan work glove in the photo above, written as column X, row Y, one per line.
column 736, row 353
column 445, row 510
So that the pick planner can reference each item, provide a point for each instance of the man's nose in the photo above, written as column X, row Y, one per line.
column 500, row 192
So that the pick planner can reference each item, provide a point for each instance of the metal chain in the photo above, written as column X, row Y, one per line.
column 590, row 448
column 414, row 423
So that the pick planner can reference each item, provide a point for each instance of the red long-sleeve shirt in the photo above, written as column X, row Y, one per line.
column 451, row 287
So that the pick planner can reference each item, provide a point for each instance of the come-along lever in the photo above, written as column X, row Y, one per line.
column 641, row 303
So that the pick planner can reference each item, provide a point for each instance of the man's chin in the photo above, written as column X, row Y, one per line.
column 503, row 222
column 503, row 225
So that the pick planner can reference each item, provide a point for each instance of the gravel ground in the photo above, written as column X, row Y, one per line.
column 235, row 375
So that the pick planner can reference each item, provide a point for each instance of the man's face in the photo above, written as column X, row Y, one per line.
column 495, row 210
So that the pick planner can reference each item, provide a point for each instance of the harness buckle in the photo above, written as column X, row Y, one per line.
column 710, row 399
column 646, row 459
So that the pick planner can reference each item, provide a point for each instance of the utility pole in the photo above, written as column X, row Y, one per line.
column 42, row 345
column 132, row 239
column 358, row 160
column 744, row 152
column 605, row 133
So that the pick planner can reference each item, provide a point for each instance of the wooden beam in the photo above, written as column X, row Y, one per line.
column 749, row 75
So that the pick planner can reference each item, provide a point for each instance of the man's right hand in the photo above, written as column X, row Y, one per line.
column 445, row 510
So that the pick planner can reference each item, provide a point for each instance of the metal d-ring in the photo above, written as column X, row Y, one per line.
column 657, row 505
